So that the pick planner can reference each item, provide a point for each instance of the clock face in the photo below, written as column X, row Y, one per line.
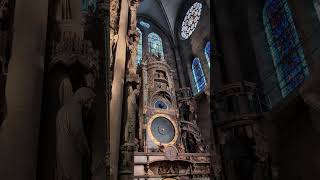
column 171, row 153
column 162, row 130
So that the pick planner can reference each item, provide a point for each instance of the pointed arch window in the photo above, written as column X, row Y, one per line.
column 139, row 49
column 155, row 44
column 198, row 75
column 286, row 50
column 207, row 52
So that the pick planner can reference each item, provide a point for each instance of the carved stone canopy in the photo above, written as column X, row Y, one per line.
column 3, row 8
column 71, row 51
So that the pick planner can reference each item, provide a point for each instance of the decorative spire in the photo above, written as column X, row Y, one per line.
column 69, row 19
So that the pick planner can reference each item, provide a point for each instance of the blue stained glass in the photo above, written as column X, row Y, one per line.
column 155, row 44
column 207, row 52
column 144, row 24
column 139, row 50
column 286, row 51
column 198, row 75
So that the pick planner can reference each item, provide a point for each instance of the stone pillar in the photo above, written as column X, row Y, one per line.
column 230, row 48
column 117, row 90
column 19, row 132
column 228, row 41
column 145, row 46
column 182, row 80
column 99, row 141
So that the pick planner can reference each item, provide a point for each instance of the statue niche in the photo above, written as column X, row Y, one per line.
column 132, row 110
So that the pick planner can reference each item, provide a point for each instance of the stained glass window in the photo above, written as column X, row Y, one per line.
column 139, row 51
column 155, row 44
column 89, row 6
column 191, row 19
column 198, row 75
column 207, row 52
column 144, row 24
column 286, row 50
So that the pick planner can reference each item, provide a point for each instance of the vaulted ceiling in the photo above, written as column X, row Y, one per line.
column 164, row 12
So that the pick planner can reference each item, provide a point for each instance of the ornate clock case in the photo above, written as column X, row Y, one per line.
column 161, row 153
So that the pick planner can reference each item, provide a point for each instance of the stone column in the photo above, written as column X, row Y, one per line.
column 182, row 80
column 145, row 46
column 117, row 90
column 228, row 41
column 99, row 141
column 230, row 48
column 19, row 132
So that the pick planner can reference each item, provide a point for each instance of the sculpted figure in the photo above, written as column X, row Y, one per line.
column 72, row 145
column 132, row 112
column 125, row 159
column 133, row 13
column 90, row 80
column 65, row 91
column 160, row 170
column 132, row 44
column 180, row 147
column 113, row 47
column 3, row 9
column 184, row 111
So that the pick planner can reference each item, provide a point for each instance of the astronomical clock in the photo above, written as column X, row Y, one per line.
column 165, row 129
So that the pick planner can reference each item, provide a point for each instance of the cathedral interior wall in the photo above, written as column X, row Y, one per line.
column 31, row 89
column 194, row 46
column 291, row 126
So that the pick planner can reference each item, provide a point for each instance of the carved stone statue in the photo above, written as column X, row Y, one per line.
column 113, row 46
column 90, row 80
column 133, row 13
column 65, row 91
column 3, row 8
column 113, row 27
column 126, row 159
column 181, row 147
column 132, row 44
column 131, row 115
column 184, row 111
column 114, row 14
column 72, row 145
